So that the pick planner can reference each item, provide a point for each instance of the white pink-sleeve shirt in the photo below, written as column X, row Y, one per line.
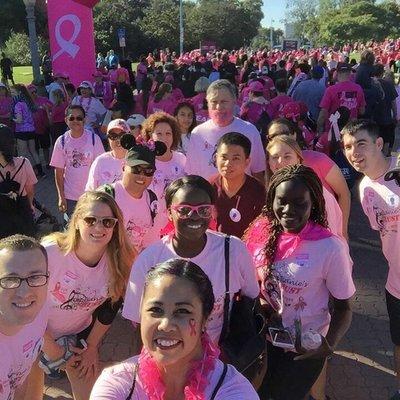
column 212, row 261
column 201, row 148
column 167, row 172
column 105, row 169
column 314, row 271
column 75, row 156
column 141, row 229
column 380, row 201
column 115, row 383
column 19, row 352
column 75, row 291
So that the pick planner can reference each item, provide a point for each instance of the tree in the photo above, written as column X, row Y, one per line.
column 111, row 15
column 304, row 15
column 262, row 40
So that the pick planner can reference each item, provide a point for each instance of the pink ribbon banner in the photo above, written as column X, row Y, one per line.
column 72, row 38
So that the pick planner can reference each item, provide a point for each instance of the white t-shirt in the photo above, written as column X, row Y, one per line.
column 75, row 156
column 105, row 169
column 212, row 261
column 316, row 269
column 115, row 383
column 93, row 107
column 75, row 291
column 201, row 148
column 19, row 352
column 137, row 217
column 167, row 172
column 380, row 201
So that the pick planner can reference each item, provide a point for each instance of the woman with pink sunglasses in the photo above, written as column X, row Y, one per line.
column 190, row 203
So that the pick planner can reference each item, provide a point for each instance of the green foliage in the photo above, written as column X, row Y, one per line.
column 17, row 48
column 262, row 40
column 340, row 21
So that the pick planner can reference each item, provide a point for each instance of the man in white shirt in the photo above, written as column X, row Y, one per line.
column 221, row 99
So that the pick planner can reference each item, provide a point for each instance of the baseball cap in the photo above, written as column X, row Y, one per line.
column 140, row 155
column 118, row 123
column 343, row 67
column 136, row 120
column 97, row 74
column 394, row 173
column 256, row 86
column 86, row 85
column 264, row 70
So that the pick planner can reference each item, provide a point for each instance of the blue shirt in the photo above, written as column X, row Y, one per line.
column 310, row 92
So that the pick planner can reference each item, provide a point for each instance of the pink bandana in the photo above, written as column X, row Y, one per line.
column 197, row 379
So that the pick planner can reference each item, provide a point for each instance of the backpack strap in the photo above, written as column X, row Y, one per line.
column 19, row 169
column 93, row 139
column 152, row 198
column 130, row 394
column 225, row 326
column 63, row 141
column 220, row 382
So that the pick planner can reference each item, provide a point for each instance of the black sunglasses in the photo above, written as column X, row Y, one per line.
column 71, row 118
column 146, row 171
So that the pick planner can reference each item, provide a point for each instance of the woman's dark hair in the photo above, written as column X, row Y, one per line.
column 69, row 110
column 188, row 105
column 193, row 181
column 292, row 129
column 162, row 90
column 281, row 85
column 235, row 139
column 190, row 271
column 7, row 143
column 307, row 177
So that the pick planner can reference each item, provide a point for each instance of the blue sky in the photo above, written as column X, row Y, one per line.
column 274, row 9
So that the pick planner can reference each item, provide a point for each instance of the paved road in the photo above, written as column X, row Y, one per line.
column 361, row 369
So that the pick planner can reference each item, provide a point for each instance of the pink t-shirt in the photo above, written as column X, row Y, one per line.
column 26, row 176
column 347, row 94
column 58, row 112
column 75, row 158
column 40, row 115
column 105, row 169
column 200, row 153
column 115, row 383
column 252, row 111
column 75, row 291
column 334, row 213
column 211, row 260
column 198, row 101
column 5, row 106
column 315, row 270
column 380, row 201
column 167, row 105
column 167, row 172
column 277, row 104
column 320, row 163
column 137, row 217
column 19, row 352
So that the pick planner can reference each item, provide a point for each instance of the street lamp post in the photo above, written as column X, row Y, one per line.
column 181, row 34
column 30, row 16
column 271, row 37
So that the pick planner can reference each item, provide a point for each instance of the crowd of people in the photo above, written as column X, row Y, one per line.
column 188, row 187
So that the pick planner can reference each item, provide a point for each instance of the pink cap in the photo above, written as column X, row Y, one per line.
column 61, row 75
column 169, row 79
column 97, row 74
column 31, row 87
column 256, row 86
column 120, row 124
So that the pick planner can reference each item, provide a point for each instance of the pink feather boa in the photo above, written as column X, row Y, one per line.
column 197, row 379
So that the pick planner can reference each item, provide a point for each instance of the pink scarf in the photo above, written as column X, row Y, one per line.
column 288, row 242
column 197, row 378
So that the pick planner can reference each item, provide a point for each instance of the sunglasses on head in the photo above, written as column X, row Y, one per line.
column 146, row 171
column 71, row 118
column 114, row 136
column 107, row 222
column 185, row 211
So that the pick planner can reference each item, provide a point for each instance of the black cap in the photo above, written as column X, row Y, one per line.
column 343, row 67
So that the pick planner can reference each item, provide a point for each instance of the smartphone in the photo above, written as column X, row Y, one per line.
column 281, row 338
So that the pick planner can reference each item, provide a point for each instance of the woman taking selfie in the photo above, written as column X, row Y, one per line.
column 89, row 266
column 178, row 359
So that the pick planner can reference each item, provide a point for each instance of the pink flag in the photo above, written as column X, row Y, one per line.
column 71, row 34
